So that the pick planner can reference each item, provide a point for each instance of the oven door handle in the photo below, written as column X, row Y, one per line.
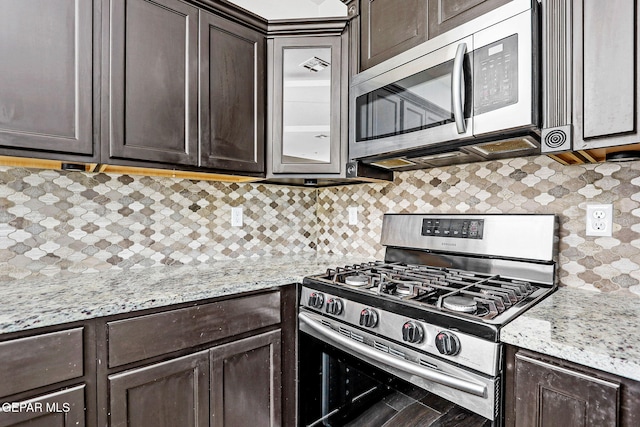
column 349, row 345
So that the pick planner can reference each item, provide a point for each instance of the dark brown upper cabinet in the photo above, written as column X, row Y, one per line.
column 47, row 77
column 153, row 84
column 232, row 95
column 445, row 15
column 605, row 70
column 389, row 28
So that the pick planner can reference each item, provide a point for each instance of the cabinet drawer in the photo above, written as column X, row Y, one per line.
column 40, row 360
column 140, row 338
column 65, row 408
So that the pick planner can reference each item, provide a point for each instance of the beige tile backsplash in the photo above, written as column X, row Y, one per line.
column 526, row 185
column 55, row 221
column 52, row 222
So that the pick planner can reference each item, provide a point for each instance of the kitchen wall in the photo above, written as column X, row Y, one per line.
column 526, row 185
column 52, row 222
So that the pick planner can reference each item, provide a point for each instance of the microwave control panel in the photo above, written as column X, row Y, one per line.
column 495, row 72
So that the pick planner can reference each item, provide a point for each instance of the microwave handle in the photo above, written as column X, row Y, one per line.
column 457, row 90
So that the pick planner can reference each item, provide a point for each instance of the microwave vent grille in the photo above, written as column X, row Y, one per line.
column 393, row 163
column 507, row 146
column 557, row 76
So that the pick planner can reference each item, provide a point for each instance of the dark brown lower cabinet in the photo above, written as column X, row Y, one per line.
column 65, row 408
column 218, row 363
column 45, row 378
column 542, row 391
column 166, row 394
column 233, row 384
column 549, row 395
column 245, row 382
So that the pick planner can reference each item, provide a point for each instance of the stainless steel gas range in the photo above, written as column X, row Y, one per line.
column 428, row 317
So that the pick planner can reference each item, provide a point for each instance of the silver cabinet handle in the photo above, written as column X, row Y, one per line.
column 457, row 88
column 370, row 353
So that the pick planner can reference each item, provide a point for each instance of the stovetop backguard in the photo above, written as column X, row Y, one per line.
column 527, row 237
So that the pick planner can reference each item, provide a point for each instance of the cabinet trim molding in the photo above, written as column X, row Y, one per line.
column 566, row 371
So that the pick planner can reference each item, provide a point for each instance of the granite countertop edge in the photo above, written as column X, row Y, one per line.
column 585, row 327
column 563, row 325
column 66, row 298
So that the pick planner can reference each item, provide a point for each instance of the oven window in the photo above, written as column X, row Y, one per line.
column 337, row 389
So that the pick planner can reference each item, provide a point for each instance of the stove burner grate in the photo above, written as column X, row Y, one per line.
column 485, row 295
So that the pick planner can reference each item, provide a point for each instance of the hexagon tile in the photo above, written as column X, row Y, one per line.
column 525, row 185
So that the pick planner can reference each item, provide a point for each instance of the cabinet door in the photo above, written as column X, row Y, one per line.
column 65, row 408
column 389, row 28
column 167, row 394
column 547, row 396
column 445, row 15
column 46, row 75
column 245, row 382
column 605, row 74
column 153, row 108
column 231, row 95
column 306, row 132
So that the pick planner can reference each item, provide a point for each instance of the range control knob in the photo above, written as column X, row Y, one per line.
column 334, row 306
column 412, row 332
column 447, row 343
column 316, row 300
column 368, row 318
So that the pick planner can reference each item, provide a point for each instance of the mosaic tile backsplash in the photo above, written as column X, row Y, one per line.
column 525, row 185
column 52, row 222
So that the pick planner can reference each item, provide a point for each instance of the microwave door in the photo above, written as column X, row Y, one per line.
column 424, row 102
column 504, row 93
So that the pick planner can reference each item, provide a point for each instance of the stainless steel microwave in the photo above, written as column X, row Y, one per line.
column 454, row 94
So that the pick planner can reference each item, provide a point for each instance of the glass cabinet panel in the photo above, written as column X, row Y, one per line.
column 306, row 105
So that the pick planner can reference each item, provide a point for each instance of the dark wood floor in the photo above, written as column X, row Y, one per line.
column 413, row 407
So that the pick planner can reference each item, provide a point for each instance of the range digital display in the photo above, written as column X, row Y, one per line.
column 458, row 228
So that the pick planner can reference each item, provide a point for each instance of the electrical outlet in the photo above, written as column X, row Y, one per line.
column 236, row 217
column 599, row 220
column 353, row 215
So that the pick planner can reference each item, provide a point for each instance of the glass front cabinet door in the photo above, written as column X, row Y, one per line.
column 308, row 127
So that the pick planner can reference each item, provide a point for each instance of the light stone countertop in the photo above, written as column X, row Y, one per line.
column 589, row 328
column 34, row 303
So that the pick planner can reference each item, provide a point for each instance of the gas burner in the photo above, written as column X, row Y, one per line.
column 404, row 290
column 394, row 288
column 357, row 280
column 460, row 304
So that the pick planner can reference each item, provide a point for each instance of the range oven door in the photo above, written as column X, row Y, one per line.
column 339, row 387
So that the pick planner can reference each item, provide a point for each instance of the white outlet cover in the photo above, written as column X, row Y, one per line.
column 236, row 217
column 599, row 220
column 353, row 215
